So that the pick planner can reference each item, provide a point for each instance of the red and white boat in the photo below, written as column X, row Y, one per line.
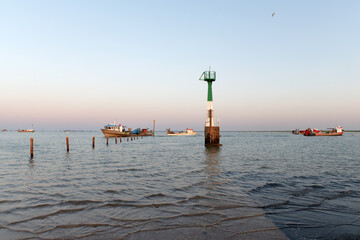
column 337, row 131
column 298, row 131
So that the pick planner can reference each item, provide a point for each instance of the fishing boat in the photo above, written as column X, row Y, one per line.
column 4, row 130
column 298, row 131
column 118, row 130
column 26, row 130
column 337, row 131
column 189, row 132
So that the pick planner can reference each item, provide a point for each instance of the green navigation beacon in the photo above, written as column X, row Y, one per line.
column 212, row 133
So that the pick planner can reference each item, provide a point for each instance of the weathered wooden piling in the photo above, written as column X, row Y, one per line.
column 131, row 137
column 67, row 144
column 127, row 138
column 141, row 137
column 31, row 147
column 115, row 139
column 107, row 140
column 153, row 132
column 93, row 142
column 120, row 139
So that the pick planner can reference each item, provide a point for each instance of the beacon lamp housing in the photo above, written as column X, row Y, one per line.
column 208, row 76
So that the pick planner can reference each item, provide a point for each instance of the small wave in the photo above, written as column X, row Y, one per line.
column 194, row 171
column 61, row 211
column 241, row 217
column 301, row 193
column 306, row 177
column 130, row 170
column 56, row 195
column 155, row 205
column 314, row 205
column 265, row 167
column 189, row 186
column 193, row 214
column 110, row 191
column 156, row 195
column 315, row 186
column 79, row 202
column 9, row 201
column 266, row 185
column 347, row 236
column 340, row 195
column 276, row 205
column 200, row 197
column 232, row 207
column 27, row 207
column 197, row 197
column 94, row 225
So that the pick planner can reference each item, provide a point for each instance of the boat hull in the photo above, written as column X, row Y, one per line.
column 181, row 134
column 111, row 133
column 325, row 134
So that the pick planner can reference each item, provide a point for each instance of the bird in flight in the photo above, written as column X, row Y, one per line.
column 273, row 14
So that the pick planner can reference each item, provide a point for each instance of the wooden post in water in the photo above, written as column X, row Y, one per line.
column 131, row 137
column 141, row 137
column 127, row 138
column 154, row 128
column 93, row 142
column 115, row 139
column 67, row 144
column 120, row 138
column 31, row 147
column 107, row 140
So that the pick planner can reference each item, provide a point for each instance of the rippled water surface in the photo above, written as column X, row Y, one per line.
column 256, row 186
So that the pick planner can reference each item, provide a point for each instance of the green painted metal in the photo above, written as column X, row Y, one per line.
column 209, row 77
column 209, row 98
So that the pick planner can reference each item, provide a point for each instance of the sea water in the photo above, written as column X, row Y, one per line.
column 266, row 185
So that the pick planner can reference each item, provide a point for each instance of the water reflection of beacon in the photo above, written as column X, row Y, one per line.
column 211, row 132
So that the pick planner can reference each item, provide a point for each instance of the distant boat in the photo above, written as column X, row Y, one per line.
column 189, row 132
column 4, row 130
column 26, row 130
column 337, row 131
column 298, row 131
column 118, row 130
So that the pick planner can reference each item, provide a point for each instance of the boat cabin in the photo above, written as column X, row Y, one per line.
column 114, row 127
column 188, row 130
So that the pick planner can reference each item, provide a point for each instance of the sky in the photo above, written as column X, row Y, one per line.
column 82, row 64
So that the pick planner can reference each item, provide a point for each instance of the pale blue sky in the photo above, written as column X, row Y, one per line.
column 82, row 64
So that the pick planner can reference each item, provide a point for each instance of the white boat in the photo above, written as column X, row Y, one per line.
column 26, row 130
column 117, row 130
column 189, row 132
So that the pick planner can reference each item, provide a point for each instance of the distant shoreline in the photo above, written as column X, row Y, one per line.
column 279, row 131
